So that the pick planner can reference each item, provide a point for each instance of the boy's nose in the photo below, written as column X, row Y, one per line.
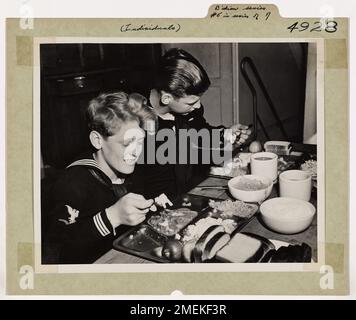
column 137, row 150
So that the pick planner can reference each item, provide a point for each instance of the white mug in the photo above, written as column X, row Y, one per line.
column 295, row 184
column 264, row 164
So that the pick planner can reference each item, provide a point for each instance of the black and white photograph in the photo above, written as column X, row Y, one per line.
column 188, row 154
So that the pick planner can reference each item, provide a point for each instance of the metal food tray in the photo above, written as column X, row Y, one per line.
column 142, row 239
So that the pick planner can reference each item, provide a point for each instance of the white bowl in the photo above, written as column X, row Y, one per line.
column 287, row 215
column 253, row 195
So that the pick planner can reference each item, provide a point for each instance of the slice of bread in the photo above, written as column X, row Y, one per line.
column 188, row 250
column 215, row 244
column 203, row 240
column 241, row 248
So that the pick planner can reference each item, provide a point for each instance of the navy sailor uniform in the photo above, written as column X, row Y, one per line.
column 174, row 179
column 79, row 230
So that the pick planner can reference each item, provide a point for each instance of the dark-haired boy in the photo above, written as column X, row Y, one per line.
column 180, row 83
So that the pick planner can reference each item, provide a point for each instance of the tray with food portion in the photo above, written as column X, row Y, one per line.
column 246, row 247
column 192, row 230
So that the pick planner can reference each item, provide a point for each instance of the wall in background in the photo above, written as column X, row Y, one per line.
column 282, row 67
column 73, row 74
column 310, row 116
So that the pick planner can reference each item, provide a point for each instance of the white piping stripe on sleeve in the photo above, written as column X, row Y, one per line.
column 97, row 225
column 102, row 224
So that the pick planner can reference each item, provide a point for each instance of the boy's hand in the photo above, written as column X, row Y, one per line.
column 130, row 210
column 240, row 134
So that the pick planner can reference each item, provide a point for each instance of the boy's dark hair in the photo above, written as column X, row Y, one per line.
column 108, row 111
column 181, row 74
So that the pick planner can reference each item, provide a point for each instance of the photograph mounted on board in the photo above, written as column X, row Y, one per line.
column 186, row 155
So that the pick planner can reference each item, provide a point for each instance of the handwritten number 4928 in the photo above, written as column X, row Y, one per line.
column 329, row 26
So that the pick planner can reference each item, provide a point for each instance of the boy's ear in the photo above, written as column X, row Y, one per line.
column 166, row 98
column 96, row 139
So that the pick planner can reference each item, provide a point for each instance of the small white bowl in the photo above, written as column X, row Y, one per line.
column 287, row 215
column 252, row 195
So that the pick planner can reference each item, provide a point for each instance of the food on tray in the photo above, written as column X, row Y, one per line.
column 215, row 244
column 172, row 250
column 188, row 250
column 206, row 245
column 195, row 231
column 204, row 238
column 170, row 222
column 278, row 147
column 292, row 253
column 310, row 166
column 250, row 184
column 242, row 248
column 230, row 209
column 228, row 224
column 199, row 252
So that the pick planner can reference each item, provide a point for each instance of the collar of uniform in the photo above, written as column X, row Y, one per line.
column 166, row 116
column 92, row 163
column 118, row 181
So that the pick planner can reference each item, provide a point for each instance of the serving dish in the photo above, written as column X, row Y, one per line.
column 250, row 188
column 281, row 148
column 287, row 215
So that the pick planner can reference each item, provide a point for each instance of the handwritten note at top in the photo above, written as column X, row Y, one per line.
column 255, row 12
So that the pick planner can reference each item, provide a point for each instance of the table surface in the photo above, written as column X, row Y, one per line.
column 255, row 226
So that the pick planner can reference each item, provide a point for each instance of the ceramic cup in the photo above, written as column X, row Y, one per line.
column 295, row 184
column 264, row 164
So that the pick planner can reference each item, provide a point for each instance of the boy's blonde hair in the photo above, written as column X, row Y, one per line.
column 108, row 111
